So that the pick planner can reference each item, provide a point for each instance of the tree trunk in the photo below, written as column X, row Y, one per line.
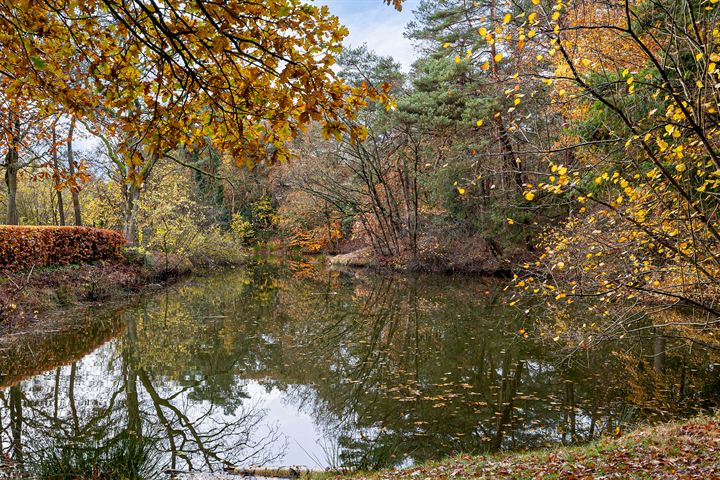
column 74, row 189
column 58, row 186
column 659, row 353
column 12, row 167
column 132, row 194
column 513, row 164
column 11, row 171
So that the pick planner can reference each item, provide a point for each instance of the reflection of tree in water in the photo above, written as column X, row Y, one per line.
column 399, row 368
column 414, row 370
column 391, row 369
column 108, row 414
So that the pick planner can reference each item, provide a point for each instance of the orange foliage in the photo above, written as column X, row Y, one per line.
column 31, row 247
column 318, row 239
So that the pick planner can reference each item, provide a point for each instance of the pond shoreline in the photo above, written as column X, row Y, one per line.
column 682, row 449
column 31, row 301
column 482, row 263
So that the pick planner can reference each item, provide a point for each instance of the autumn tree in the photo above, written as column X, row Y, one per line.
column 235, row 75
column 636, row 83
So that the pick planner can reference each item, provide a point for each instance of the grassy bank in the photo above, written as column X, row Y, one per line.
column 681, row 450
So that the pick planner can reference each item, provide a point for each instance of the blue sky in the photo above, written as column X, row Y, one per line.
column 377, row 24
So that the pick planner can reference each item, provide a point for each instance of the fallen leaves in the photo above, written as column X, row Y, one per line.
column 678, row 451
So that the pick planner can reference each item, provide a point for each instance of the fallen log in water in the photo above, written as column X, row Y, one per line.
column 260, row 472
column 284, row 472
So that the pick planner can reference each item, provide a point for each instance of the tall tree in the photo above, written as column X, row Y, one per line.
column 74, row 188
column 57, row 181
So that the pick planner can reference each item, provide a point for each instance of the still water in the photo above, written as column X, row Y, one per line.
column 298, row 365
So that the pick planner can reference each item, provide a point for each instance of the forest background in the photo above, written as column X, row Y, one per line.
column 571, row 144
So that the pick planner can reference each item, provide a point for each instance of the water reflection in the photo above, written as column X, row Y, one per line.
column 305, row 366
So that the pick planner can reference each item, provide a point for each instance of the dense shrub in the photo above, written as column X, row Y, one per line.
column 25, row 247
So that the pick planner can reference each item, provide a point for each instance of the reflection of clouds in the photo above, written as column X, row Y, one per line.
column 293, row 421
column 88, row 406
column 386, row 372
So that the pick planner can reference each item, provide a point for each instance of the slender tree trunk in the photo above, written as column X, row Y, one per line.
column 58, row 186
column 74, row 189
column 513, row 164
column 659, row 353
column 12, row 167
column 11, row 171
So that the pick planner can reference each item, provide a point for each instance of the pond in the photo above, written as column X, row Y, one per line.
column 298, row 365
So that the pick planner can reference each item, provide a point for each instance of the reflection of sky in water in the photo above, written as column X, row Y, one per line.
column 267, row 372
column 304, row 440
column 98, row 378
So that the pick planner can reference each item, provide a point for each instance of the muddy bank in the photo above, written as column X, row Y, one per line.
column 33, row 298
column 470, row 255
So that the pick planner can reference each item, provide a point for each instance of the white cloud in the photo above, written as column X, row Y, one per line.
column 379, row 26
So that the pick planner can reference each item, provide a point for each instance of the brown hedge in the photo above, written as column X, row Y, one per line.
column 26, row 247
